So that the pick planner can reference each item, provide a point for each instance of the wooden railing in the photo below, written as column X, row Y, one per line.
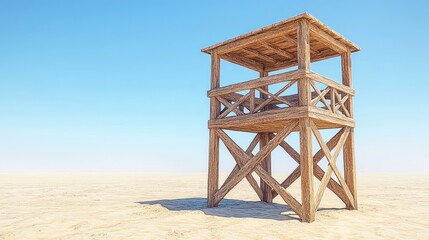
column 258, row 95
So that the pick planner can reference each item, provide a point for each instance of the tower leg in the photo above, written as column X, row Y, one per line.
column 213, row 170
column 266, row 165
column 350, row 168
column 306, row 166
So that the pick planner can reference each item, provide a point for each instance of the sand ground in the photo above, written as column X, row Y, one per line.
column 173, row 206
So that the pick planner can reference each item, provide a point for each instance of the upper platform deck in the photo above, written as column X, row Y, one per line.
column 274, row 47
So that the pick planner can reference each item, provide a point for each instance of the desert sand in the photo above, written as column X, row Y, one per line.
column 173, row 206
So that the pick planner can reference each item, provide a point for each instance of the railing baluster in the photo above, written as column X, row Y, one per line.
column 332, row 95
column 252, row 100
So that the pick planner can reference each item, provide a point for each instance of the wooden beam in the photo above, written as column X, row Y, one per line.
column 258, row 82
column 331, row 83
column 234, row 106
column 318, row 172
column 253, row 162
column 291, row 39
column 228, row 107
column 327, row 176
column 252, row 38
column 334, row 168
column 213, row 169
column 258, row 54
column 306, row 168
column 237, row 152
column 266, row 165
column 303, row 43
column 213, row 166
column 277, row 50
column 349, row 147
column 261, row 117
column 246, row 62
column 329, row 41
column 325, row 115
column 240, row 163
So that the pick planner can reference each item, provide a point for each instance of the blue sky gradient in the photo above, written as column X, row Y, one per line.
column 121, row 85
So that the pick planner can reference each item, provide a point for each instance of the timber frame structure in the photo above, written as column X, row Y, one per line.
column 318, row 103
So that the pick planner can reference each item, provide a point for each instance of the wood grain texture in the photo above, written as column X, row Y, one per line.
column 274, row 106
column 349, row 146
column 213, row 168
column 271, row 48
column 306, row 168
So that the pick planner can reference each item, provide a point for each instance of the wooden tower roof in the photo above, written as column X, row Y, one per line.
column 274, row 47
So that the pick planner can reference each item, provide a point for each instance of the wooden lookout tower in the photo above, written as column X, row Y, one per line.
column 316, row 103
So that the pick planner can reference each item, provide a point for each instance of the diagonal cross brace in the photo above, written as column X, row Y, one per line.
column 239, row 164
column 327, row 176
column 252, row 164
column 318, row 171
column 331, row 162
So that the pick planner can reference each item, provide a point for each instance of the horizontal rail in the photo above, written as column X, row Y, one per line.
column 259, row 82
column 330, row 83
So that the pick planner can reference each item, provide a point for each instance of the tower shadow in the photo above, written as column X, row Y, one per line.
column 230, row 208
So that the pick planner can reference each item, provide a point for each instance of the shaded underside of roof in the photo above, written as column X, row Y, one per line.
column 275, row 47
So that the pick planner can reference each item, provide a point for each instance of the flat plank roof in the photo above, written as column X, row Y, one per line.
column 274, row 47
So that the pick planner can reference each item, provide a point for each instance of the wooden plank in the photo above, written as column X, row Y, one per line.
column 303, row 50
column 325, row 115
column 261, row 117
column 321, row 96
column 266, row 165
column 253, row 162
column 213, row 168
column 350, row 169
column 277, row 50
column 349, row 147
column 249, row 150
column 306, row 167
column 293, row 98
column 246, row 62
column 252, row 101
column 328, row 40
column 234, row 106
column 213, row 165
column 238, row 153
column 332, row 95
column 341, row 103
column 253, row 37
column 259, row 82
column 240, row 162
column 258, row 55
column 318, row 172
column 294, row 41
column 327, row 176
column 334, row 168
column 228, row 107
column 330, row 83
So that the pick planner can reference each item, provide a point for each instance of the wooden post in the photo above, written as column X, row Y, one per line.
column 213, row 168
column 266, row 163
column 305, row 140
column 349, row 150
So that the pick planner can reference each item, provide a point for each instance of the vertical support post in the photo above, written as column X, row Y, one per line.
column 303, row 53
column 213, row 168
column 349, row 146
column 305, row 138
column 266, row 163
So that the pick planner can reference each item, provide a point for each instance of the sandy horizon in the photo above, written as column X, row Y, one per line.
column 173, row 206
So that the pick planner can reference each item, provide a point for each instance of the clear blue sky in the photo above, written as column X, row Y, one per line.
column 121, row 85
